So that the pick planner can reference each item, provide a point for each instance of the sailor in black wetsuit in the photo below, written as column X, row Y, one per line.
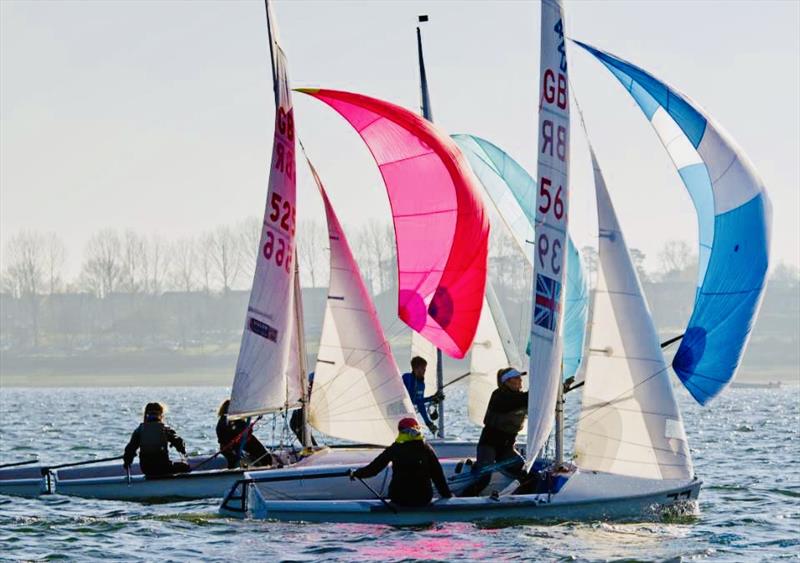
column 152, row 438
column 414, row 466
column 229, row 436
column 504, row 419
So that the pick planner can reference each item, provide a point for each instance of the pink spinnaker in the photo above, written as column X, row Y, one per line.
column 440, row 224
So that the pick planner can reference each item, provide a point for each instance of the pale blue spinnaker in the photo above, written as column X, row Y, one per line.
column 513, row 192
column 735, row 222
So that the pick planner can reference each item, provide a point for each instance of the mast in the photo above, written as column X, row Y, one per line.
column 427, row 113
column 301, row 351
column 560, row 423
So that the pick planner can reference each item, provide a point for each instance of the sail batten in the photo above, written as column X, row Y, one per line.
column 734, row 227
column 440, row 225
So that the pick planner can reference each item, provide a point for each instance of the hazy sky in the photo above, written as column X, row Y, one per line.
column 157, row 116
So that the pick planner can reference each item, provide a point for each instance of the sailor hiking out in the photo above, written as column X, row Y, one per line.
column 414, row 466
column 504, row 419
column 415, row 385
column 237, row 442
column 152, row 438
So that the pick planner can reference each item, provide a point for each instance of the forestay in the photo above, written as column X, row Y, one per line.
column 440, row 224
column 629, row 422
column 358, row 394
column 260, row 384
column 513, row 193
column 735, row 222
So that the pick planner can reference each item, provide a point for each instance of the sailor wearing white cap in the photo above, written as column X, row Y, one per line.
column 504, row 419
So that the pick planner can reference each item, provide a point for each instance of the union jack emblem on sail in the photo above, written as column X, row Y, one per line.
column 548, row 302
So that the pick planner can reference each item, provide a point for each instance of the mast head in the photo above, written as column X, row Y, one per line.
column 422, row 18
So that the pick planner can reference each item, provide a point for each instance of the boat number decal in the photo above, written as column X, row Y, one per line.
column 545, row 188
column 544, row 246
column 276, row 248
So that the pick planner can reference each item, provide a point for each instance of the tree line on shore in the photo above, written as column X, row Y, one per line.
column 135, row 291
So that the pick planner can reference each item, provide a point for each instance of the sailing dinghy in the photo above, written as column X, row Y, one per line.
column 632, row 456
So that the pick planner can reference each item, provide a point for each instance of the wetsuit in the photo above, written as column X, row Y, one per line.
column 414, row 466
column 152, row 440
column 416, row 390
column 505, row 417
column 229, row 436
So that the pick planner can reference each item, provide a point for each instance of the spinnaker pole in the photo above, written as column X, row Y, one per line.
column 427, row 113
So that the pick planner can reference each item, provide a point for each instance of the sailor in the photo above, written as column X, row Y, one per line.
column 415, row 385
column 152, row 438
column 231, row 433
column 504, row 419
column 296, row 420
column 414, row 466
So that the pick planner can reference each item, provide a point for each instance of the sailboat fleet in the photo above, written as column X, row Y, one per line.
column 631, row 456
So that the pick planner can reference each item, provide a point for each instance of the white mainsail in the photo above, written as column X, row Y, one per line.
column 492, row 349
column 260, row 384
column 358, row 393
column 629, row 422
column 550, row 242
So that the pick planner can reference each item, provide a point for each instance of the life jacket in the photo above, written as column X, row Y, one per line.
column 153, row 443
column 509, row 422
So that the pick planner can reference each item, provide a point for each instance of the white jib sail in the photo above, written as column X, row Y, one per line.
column 358, row 393
column 629, row 422
column 260, row 383
column 492, row 349
column 550, row 242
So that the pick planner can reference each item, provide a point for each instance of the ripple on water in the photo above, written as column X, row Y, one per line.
column 748, row 508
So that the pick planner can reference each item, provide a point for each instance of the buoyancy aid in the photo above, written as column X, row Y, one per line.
column 153, row 443
column 508, row 421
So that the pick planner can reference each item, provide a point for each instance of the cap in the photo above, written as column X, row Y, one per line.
column 510, row 374
column 407, row 423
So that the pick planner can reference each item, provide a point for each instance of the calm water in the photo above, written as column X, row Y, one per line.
column 746, row 448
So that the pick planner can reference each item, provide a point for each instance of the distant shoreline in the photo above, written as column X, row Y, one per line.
column 223, row 377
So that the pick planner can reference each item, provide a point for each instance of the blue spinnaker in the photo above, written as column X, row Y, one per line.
column 513, row 191
column 735, row 223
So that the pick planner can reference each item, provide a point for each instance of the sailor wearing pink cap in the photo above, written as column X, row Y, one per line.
column 414, row 466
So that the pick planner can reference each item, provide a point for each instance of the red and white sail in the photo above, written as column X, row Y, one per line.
column 260, row 384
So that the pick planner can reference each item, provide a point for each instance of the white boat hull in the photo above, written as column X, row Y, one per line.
column 110, row 482
column 585, row 496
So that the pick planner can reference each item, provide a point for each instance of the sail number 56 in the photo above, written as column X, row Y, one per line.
column 551, row 201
